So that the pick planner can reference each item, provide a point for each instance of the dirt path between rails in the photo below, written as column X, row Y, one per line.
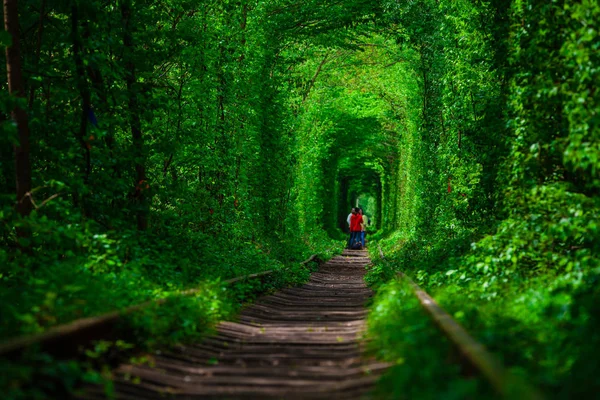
column 299, row 343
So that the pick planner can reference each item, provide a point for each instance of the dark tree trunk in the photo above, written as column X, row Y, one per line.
column 135, row 121
column 84, row 92
column 15, row 87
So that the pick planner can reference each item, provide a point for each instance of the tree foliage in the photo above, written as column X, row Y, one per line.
column 175, row 142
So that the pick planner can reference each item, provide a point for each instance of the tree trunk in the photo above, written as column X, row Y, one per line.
column 141, row 185
column 84, row 92
column 311, row 83
column 38, row 50
column 15, row 87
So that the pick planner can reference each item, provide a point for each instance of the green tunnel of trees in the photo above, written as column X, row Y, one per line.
column 148, row 146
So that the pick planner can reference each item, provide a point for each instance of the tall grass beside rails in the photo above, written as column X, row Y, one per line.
column 37, row 375
column 545, row 328
column 539, row 316
column 424, row 364
column 103, row 272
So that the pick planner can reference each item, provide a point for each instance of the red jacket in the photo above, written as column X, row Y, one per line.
column 355, row 221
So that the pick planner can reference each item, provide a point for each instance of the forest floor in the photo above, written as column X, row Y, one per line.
column 303, row 342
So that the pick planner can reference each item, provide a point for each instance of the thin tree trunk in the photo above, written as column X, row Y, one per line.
column 473, row 106
column 240, row 99
column 168, row 162
column 314, row 78
column 243, row 26
column 221, row 91
column 84, row 92
column 166, row 165
column 8, row 167
column 38, row 50
column 15, row 87
column 102, row 108
column 135, row 122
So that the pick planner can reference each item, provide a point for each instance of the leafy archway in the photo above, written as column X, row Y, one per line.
column 174, row 142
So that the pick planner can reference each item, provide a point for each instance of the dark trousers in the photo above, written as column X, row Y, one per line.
column 354, row 237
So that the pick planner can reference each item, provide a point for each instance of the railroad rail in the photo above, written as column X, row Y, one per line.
column 64, row 339
column 486, row 364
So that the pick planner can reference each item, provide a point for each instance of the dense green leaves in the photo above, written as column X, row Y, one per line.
column 169, row 117
column 176, row 143
column 502, row 207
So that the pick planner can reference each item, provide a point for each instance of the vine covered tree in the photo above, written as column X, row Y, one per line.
column 149, row 147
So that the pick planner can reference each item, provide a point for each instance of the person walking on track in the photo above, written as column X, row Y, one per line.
column 349, row 246
column 363, row 227
column 355, row 229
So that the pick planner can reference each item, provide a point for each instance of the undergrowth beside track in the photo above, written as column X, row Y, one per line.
column 424, row 363
column 60, row 298
column 541, row 322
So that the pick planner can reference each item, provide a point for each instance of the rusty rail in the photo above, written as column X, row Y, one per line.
column 93, row 328
column 505, row 383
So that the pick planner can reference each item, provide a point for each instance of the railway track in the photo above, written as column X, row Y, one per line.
column 299, row 343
